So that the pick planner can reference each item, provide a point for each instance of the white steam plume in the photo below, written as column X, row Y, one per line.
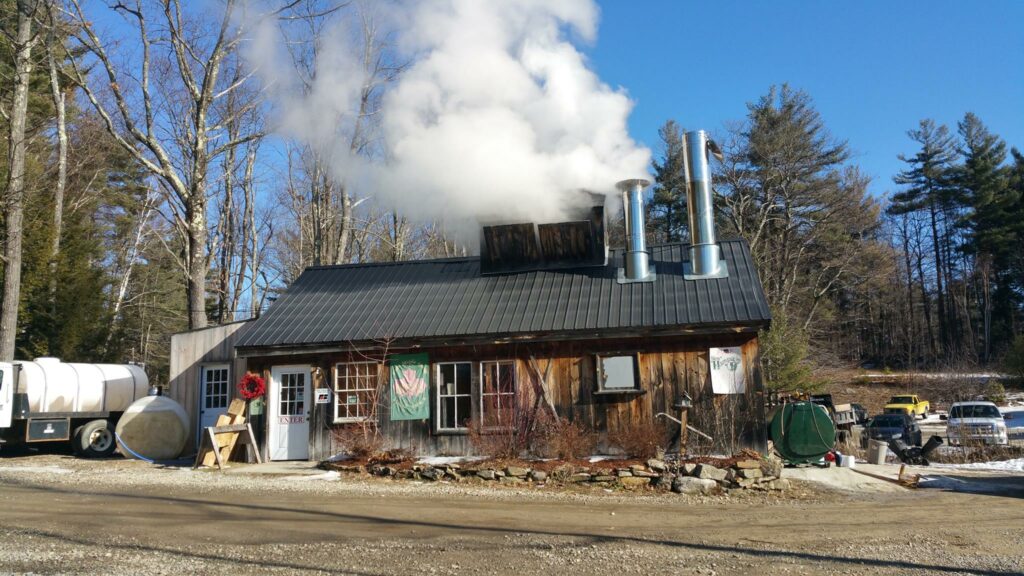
column 497, row 118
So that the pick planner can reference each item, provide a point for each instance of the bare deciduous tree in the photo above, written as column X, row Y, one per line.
column 171, row 122
column 23, row 41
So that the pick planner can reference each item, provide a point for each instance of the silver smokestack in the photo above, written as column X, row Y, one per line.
column 705, row 253
column 637, row 267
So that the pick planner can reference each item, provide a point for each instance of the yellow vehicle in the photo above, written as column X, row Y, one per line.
column 908, row 404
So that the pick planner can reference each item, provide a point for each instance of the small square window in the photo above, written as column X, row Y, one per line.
column 617, row 374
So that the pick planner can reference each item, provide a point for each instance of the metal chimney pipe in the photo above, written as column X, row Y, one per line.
column 705, row 253
column 637, row 267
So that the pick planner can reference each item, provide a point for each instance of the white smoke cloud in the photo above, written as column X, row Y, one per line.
column 497, row 118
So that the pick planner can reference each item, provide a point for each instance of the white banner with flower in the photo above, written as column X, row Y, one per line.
column 727, row 373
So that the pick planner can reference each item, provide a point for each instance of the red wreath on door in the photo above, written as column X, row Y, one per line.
column 251, row 386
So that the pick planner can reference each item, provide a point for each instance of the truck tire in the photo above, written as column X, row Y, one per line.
column 94, row 439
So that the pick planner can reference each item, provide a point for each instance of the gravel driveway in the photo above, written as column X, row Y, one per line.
column 63, row 515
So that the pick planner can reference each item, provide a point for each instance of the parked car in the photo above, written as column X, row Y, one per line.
column 908, row 404
column 1014, row 418
column 888, row 426
column 976, row 421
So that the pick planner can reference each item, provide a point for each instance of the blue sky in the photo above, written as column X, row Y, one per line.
column 873, row 68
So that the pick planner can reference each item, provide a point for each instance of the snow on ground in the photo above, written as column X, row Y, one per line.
column 445, row 460
column 1015, row 465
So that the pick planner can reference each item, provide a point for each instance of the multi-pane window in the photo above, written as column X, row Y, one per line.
column 355, row 387
column 215, row 384
column 616, row 373
column 454, row 396
column 497, row 393
column 293, row 394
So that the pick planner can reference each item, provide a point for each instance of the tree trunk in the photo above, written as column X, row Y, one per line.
column 16, row 182
column 62, row 170
column 927, row 305
column 196, row 261
column 911, row 327
column 940, row 293
column 226, row 227
column 345, row 226
column 126, row 273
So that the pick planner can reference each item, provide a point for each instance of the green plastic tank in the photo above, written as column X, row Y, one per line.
column 802, row 432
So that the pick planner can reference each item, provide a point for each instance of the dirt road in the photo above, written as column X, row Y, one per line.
column 127, row 519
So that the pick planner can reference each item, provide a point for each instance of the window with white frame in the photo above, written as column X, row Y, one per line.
column 454, row 395
column 497, row 393
column 215, row 387
column 355, row 390
column 617, row 374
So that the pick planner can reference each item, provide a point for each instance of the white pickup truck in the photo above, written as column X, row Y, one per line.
column 52, row 401
column 975, row 422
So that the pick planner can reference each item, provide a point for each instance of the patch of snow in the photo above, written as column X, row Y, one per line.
column 339, row 457
column 1015, row 465
column 444, row 460
column 601, row 458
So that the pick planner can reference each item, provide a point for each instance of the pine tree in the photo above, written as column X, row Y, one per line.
column 668, row 204
column 983, row 183
column 928, row 190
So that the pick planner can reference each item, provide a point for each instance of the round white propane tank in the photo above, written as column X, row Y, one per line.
column 55, row 386
column 154, row 427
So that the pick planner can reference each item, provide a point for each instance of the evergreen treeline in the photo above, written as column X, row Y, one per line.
column 928, row 275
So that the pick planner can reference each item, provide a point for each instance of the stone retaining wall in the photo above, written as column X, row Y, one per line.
column 687, row 478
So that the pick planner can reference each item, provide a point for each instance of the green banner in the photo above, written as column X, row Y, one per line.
column 410, row 389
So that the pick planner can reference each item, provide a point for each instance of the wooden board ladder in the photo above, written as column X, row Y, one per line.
column 219, row 441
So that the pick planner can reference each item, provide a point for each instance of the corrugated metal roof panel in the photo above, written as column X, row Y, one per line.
column 422, row 299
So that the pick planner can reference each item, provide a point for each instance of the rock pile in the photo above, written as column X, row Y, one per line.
column 686, row 478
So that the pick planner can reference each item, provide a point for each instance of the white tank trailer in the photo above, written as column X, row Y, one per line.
column 52, row 401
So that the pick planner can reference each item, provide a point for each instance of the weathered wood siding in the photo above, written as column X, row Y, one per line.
column 192, row 350
column 668, row 367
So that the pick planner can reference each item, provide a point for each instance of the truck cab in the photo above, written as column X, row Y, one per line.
column 908, row 404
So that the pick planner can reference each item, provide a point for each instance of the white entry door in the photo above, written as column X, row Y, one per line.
column 289, row 413
column 213, row 395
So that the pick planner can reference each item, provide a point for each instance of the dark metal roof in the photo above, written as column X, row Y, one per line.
column 449, row 298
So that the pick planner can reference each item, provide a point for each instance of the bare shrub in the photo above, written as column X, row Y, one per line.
column 508, row 432
column 565, row 439
column 969, row 452
column 359, row 441
column 392, row 456
column 642, row 440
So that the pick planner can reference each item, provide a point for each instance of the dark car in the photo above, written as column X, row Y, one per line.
column 888, row 426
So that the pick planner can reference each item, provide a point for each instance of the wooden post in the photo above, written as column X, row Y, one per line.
column 683, row 432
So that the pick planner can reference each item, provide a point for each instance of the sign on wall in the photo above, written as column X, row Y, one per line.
column 323, row 396
column 410, row 397
column 727, row 373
